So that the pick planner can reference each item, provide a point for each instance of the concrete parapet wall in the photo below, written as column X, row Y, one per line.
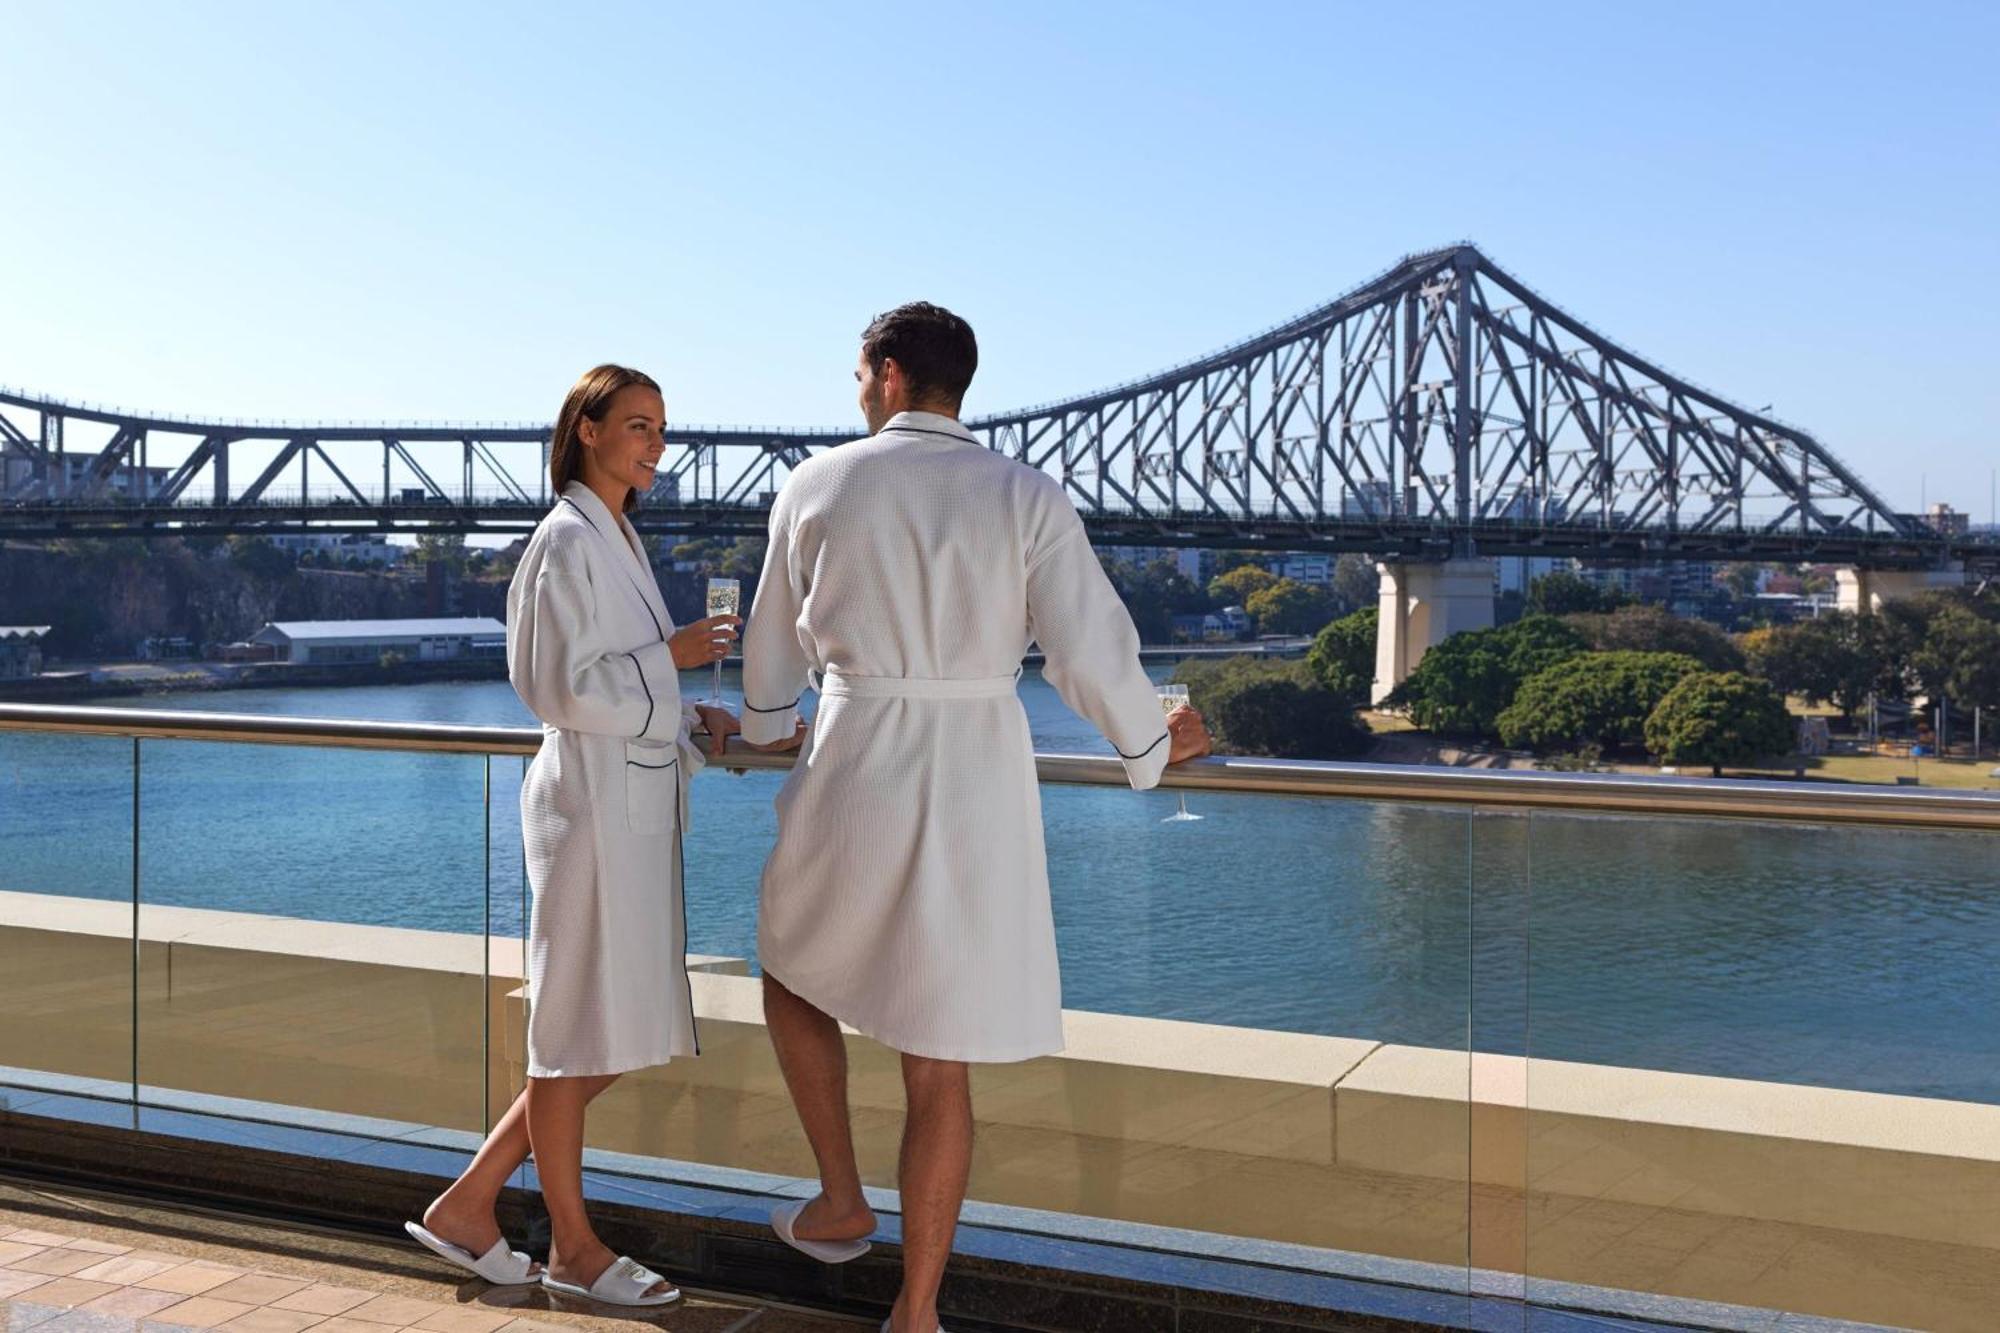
column 1578, row 1173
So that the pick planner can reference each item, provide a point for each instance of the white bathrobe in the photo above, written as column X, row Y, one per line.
column 605, row 800
column 908, row 894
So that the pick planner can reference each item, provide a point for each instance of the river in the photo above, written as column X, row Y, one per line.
column 1861, row 958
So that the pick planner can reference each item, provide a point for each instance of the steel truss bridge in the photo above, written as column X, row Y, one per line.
column 1441, row 409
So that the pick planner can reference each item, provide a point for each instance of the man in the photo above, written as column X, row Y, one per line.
column 908, row 893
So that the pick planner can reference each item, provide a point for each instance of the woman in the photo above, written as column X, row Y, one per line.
column 593, row 653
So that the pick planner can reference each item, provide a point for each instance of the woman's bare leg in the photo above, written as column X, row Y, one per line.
column 555, row 1109
column 463, row 1214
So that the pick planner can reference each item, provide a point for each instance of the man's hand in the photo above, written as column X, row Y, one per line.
column 1190, row 736
column 703, row 642
column 720, row 724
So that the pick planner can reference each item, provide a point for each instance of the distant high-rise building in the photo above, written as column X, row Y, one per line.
column 1948, row 521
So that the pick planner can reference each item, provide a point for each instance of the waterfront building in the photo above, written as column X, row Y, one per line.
column 18, row 466
column 363, row 547
column 348, row 642
column 21, row 650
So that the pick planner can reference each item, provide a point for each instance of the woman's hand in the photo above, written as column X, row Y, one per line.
column 720, row 724
column 704, row 641
column 797, row 739
column 1190, row 736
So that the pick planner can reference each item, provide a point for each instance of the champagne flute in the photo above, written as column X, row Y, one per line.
column 724, row 597
column 1174, row 697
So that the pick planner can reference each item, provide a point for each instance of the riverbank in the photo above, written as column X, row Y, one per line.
column 114, row 679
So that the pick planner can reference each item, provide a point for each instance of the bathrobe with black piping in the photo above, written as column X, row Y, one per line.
column 907, row 574
column 604, row 803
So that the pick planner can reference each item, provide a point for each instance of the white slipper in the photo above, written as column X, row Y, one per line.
column 625, row 1282
column 500, row 1266
column 785, row 1216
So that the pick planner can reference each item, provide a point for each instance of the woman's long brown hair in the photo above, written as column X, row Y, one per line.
column 591, row 397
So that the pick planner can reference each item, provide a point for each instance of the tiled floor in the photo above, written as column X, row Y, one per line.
column 84, row 1265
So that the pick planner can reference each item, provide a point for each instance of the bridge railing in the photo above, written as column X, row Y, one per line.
column 1707, row 1050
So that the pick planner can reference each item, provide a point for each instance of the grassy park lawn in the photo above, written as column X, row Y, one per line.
column 1885, row 769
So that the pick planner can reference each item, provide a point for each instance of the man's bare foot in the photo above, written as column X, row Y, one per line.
column 588, row 1264
column 903, row 1319
column 469, row 1226
column 822, row 1219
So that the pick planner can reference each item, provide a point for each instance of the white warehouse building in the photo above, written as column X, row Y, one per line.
column 337, row 642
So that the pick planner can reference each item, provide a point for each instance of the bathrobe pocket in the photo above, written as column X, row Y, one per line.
column 652, row 787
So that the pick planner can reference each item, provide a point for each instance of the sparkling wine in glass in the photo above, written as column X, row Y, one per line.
column 724, row 598
column 1173, row 697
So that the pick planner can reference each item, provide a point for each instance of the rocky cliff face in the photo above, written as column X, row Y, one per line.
column 101, row 598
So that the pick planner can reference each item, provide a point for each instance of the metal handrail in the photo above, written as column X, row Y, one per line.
column 1576, row 793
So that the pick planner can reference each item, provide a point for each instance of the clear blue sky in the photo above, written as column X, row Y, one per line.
column 449, row 210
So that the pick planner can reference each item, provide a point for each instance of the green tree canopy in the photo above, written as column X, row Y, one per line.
column 1235, row 587
column 1153, row 595
column 1356, row 584
column 1563, row 593
column 1838, row 658
column 1290, row 607
column 1959, row 658
column 258, row 558
column 1343, row 656
column 1598, row 699
column 1717, row 718
column 1641, row 628
column 1264, row 707
column 1462, row 684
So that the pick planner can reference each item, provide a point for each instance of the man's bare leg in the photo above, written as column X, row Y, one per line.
column 813, row 1055
column 936, row 1159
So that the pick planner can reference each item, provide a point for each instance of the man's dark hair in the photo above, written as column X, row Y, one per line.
column 934, row 347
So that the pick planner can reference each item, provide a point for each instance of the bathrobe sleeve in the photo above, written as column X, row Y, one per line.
column 774, row 661
column 570, row 677
column 1092, row 649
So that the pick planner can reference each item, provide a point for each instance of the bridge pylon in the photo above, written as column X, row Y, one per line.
column 1423, row 604
column 1864, row 591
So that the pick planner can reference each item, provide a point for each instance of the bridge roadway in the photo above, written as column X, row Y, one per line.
column 1391, row 539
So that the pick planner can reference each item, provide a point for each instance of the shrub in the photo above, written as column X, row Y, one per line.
column 1343, row 656
column 1718, row 718
column 1256, row 706
column 1462, row 684
column 1654, row 629
column 1236, row 587
column 1595, row 699
column 1290, row 607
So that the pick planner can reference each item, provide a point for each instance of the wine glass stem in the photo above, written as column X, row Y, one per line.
column 716, row 693
column 1183, row 796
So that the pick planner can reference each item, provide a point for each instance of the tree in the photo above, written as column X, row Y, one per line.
column 1593, row 699
column 1959, row 658
column 445, row 548
column 1836, row 658
column 1153, row 595
column 1236, row 587
column 1343, row 655
column 1742, row 580
column 1290, row 607
column 1717, row 718
column 1640, row 628
column 1462, row 684
column 1355, row 582
column 258, row 558
column 1563, row 593
column 1264, row 707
